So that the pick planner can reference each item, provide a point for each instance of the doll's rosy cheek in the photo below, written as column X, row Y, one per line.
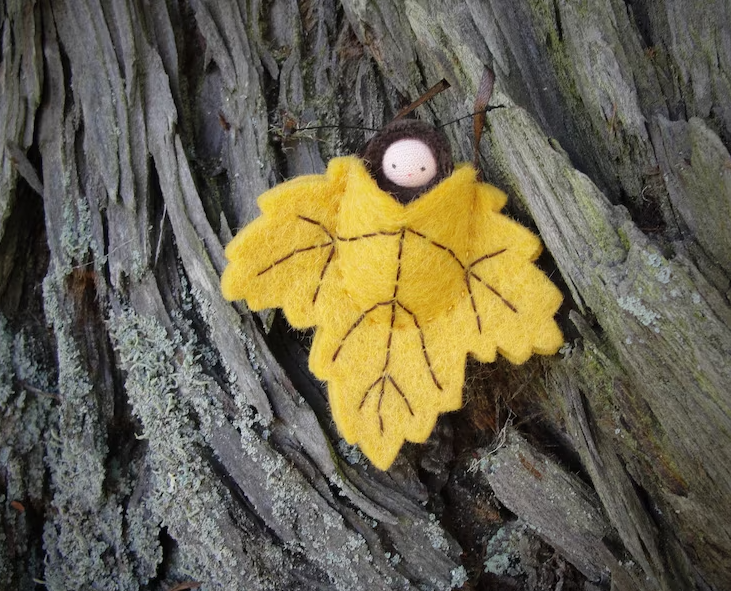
column 409, row 163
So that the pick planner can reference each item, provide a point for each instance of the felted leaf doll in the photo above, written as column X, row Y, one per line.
column 403, row 264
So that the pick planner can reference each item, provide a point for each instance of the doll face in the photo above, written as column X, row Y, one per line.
column 409, row 163
column 407, row 158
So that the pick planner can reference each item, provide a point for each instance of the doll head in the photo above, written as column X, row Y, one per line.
column 407, row 158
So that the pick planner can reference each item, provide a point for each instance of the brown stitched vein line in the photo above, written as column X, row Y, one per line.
column 381, row 395
column 487, row 256
column 355, row 325
column 406, row 400
column 419, row 234
column 468, row 280
column 390, row 338
column 385, row 364
column 369, row 235
column 398, row 271
column 322, row 274
column 368, row 391
column 438, row 245
column 380, row 400
column 291, row 254
column 329, row 257
column 390, row 328
column 495, row 291
column 316, row 223
column 423, row 345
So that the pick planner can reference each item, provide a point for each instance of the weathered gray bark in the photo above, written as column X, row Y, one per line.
column 152, row 434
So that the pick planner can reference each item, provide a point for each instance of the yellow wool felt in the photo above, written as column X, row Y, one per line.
column 399, row 294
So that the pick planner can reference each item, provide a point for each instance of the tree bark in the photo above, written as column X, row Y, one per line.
column 154, row 436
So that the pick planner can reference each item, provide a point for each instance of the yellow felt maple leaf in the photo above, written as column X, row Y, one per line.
column 399, row 294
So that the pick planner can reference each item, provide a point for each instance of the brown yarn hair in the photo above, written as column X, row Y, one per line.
column 402, row 129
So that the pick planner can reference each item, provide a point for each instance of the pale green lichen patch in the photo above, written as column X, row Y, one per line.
column 657, row 262
column 24, row 419
column 76, row 234
column 634, row 306
column 304, row 521
column 655, row 291
column 502, row 557
column 393, row 559
column 27, row 365
column 435, row 534
column 459, row 577
column 143, row 543
column 78, row 452
column 84, row 540
column 350, row 453
column 6, row 391
column 185, row 494
column 6, row 364
column 86, row 548
column 606, row 245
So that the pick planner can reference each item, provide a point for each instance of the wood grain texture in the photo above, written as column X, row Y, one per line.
column 154, row 435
